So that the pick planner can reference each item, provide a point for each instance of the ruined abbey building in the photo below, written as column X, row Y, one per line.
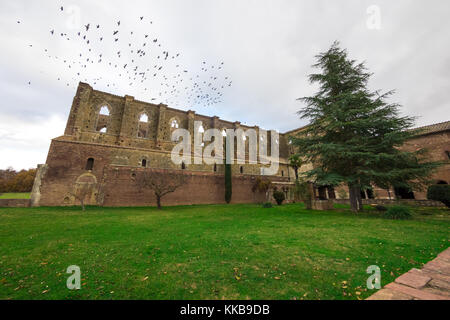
column 109, row 140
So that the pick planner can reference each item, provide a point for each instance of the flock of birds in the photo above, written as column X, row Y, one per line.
column 137, row 59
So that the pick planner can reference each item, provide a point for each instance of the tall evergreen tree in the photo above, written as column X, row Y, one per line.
column 355, row 134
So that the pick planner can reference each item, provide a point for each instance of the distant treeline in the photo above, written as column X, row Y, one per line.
column 16, row 181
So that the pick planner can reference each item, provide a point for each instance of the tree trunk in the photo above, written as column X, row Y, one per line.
column 296, row 173
column 82, row 205
column 359, row 198
column 353, row 198
column 356, row 204
column 158, row 202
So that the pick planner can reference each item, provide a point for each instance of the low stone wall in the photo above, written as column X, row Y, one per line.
column 15, row 203
column 418, row 203
column 322, row 205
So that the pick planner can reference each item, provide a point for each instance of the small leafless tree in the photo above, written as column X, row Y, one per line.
column 162, row 182
column 82, row 192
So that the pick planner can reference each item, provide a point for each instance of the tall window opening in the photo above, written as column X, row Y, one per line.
column 143, row 126
column 174, row 124
column 90, row 164
column 103, row 119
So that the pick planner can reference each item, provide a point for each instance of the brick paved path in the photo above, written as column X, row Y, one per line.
column 432, row 282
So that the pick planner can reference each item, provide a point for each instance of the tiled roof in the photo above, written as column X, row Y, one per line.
column 433, row 128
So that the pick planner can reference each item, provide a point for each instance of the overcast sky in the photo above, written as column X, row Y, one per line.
column 266, row 47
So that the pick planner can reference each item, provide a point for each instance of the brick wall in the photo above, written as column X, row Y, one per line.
column 113, row 171
column 14, row 203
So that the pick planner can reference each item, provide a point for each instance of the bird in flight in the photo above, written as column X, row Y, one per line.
column 200, row 92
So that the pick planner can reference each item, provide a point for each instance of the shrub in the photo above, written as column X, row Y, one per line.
column 439, row 192
column 398, row 213
column 303, row 191
column 279, row 197
column 261, row 185
column 379, row 207
column 267, row 205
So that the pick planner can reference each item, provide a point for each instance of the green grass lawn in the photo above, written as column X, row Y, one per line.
column 209, row 252
column 15, row 195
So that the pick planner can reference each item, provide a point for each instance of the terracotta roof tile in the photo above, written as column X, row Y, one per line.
column 433, row 128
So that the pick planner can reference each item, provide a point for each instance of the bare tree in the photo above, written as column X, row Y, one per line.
column 83, row 189
column 81, row 193
column 162, row 182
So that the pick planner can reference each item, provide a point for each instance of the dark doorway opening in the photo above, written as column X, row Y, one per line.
column 322, row 193
column 403, row 193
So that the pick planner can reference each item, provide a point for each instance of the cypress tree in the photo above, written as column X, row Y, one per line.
column 228, row 185
column 228, row 174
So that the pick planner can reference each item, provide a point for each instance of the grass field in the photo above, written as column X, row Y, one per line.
column 209, row 252
column 15, row 195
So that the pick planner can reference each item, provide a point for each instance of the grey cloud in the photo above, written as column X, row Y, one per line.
column 268, row 48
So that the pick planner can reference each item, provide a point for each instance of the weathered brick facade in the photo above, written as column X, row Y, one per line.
column 106, row 144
